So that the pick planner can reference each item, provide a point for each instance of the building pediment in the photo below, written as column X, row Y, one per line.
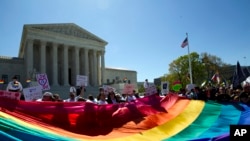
column 69, row 29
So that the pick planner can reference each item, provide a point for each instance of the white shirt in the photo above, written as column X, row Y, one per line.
column 39, row 99
column 131, row 98
column 17, row 86
column 114, row 101
column 70, row 100
column 90, row 101
column 146, row 85
column 102, row 102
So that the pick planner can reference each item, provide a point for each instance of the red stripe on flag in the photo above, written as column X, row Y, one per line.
column 184, row 43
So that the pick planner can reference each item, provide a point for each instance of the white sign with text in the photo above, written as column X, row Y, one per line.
column 81, row 80
column 32, row 93
column 151, row 90
column 164, row 87
column 107, row 89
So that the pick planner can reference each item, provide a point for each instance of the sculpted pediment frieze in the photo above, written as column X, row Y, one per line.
column 68, row 29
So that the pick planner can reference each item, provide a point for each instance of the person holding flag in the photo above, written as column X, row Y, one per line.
column 216, row 78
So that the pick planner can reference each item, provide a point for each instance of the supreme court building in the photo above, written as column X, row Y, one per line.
column 62, row 51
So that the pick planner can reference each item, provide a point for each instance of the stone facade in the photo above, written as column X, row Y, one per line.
column 115, row 76
column 62, row 51
column 11, row 66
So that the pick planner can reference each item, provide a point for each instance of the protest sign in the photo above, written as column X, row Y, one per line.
column 128, row 89
column 32, row 93
column 81, row 80
column 150, row 90
column 10, row 95
column 43, row 81
column 107, row 89
column 164, row 87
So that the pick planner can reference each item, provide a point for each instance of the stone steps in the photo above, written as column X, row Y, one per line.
column 63, row 91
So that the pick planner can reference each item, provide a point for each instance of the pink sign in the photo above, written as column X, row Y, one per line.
column 128, row 89
column 10, row 95
column 108, row 89
column 43, row 81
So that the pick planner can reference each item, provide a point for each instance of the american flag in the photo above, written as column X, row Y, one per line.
column 184, row 43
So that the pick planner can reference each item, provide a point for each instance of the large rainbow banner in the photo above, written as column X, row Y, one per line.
column 171, row 118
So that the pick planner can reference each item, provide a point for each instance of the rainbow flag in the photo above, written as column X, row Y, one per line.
column 171, row 118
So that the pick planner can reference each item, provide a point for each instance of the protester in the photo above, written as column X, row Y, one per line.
column 146, row 84
column 222, row 95
column 112, row 99
column 57, row 97
column 91, row 99
column 246, row 87
column 101, row 99
column 131, row 97
column 81, row 99
column 235, row 95
column 80, row 93
column 190, row 94
column 14, row 85
column 79, row 89
column 119, row 98
column 244, row 98
column 72, row 97
column 47, row 96
column 123, row 97
column 136, row 94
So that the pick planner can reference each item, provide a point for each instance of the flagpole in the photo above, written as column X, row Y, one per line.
column 189, row 61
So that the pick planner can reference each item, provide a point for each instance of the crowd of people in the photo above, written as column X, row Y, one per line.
column 102, row 98
column 220, row 94
column 77, row 95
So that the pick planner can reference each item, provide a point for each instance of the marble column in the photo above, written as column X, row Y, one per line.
column 65, row 66
column 94, row 68
column 81, row 62
column 98, row 68
column 29, row 54
column 43, row 57
column 76, row 63
column 102, row 67
column 55, row 64
column 86, row 63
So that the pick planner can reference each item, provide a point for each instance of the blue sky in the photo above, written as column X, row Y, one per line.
column 142, row 35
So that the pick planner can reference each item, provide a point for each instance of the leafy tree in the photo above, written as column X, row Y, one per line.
column 204, row 66
column 179, row 70
column 141, row 89
column 213, row 64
